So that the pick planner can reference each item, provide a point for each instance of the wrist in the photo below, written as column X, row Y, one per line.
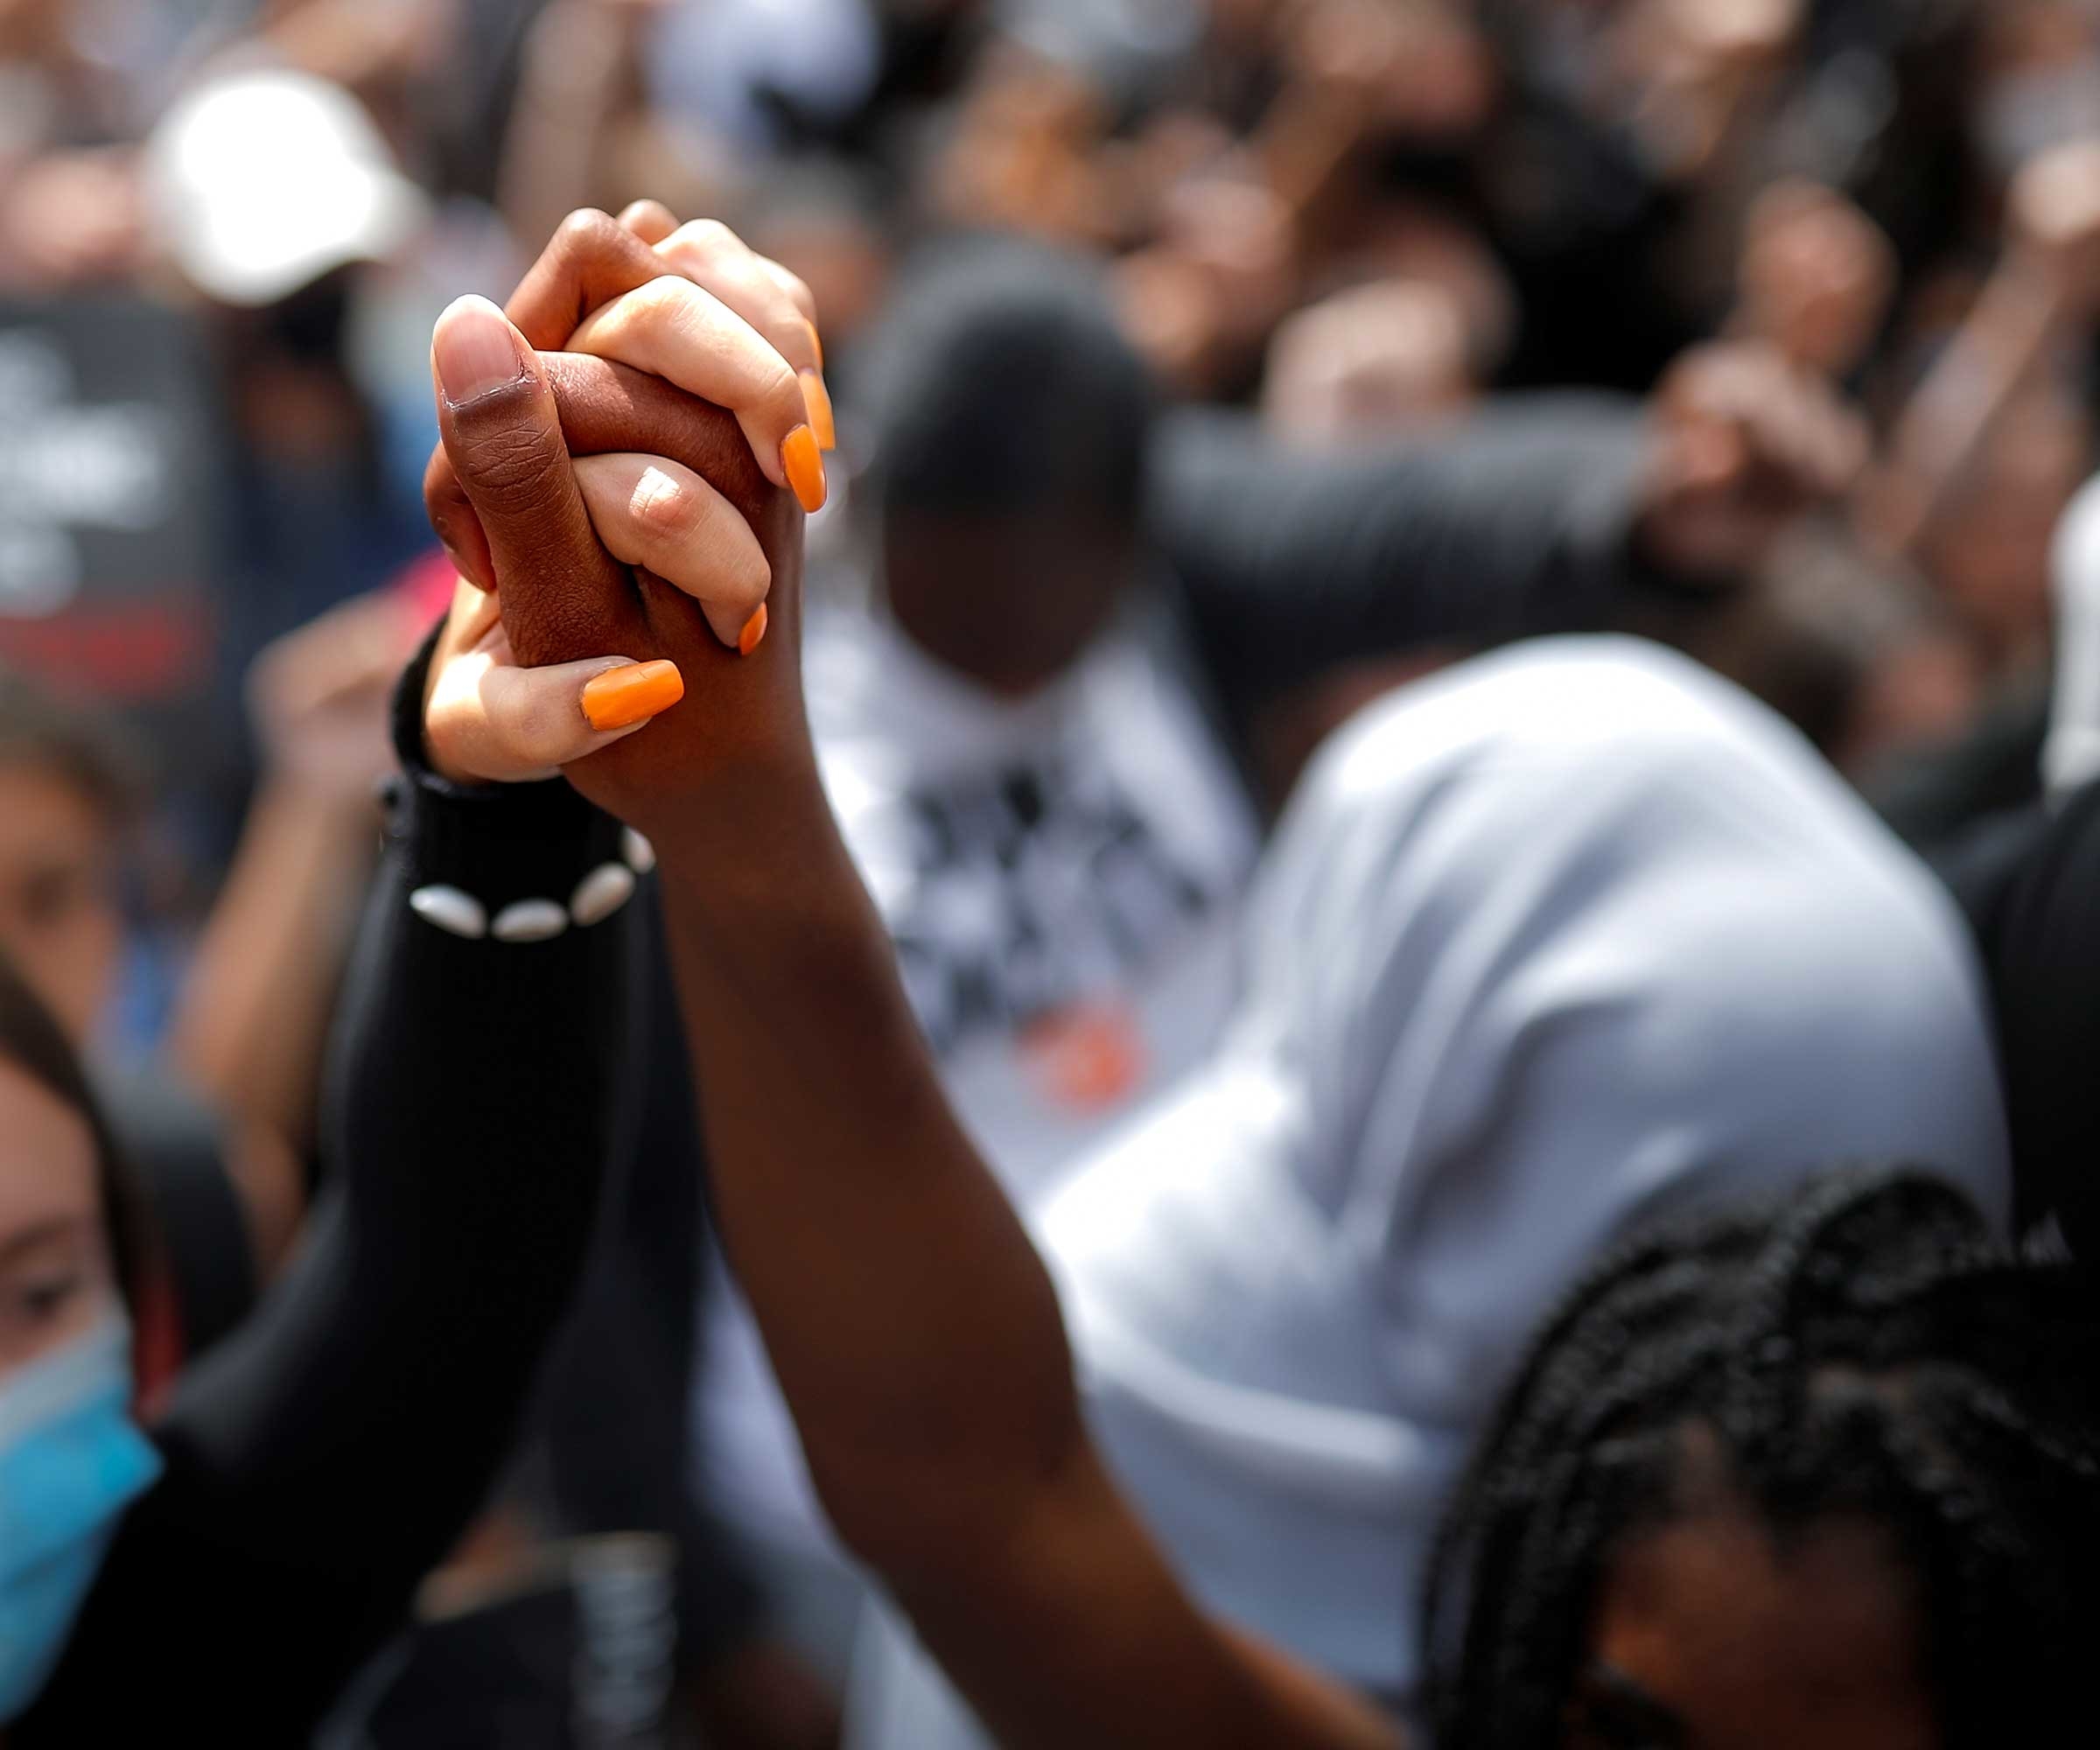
column 747, row 836
column 757, row 866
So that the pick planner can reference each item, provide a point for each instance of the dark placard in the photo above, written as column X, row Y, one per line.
column 108, row 484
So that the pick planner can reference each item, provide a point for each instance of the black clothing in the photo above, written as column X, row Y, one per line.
column 1284, row 564
column 612, row 1410
column 1933, row 796
column 2028, row 882
column 324, row 1456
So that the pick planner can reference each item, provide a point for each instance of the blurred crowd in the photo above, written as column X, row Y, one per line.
column 1810, row 285
column 1361, row 220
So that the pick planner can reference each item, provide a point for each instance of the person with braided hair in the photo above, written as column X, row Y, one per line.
column 1560, row 943
column 1824, row 1475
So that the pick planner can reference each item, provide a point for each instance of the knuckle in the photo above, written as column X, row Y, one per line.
column 795, row 289
column 588, row 231
column 748, row 579
column 735, row 575
column 662, row 510
column 661, row 303
column 705, row 238
column 530, row 723
column 437, row 482
column 791, row 284
column 517, row 468
column 783, row 392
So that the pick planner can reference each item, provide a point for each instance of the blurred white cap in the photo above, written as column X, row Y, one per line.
column 259, row 182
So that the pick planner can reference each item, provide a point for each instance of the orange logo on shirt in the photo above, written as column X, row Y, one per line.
column 1087, row 1055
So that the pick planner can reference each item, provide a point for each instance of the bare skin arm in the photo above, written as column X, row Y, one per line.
column 914, row 1328
column 2044, row 285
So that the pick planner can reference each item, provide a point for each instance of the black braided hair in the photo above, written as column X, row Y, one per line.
column 1861, row 1351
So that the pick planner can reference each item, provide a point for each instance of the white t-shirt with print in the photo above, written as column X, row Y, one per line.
column 1061, row 875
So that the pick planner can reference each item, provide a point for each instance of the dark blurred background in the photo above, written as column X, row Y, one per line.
column 225, row 230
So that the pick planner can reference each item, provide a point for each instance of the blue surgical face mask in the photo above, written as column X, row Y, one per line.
column 71, row 1460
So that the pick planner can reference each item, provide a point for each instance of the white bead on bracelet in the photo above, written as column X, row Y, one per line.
column 599, row 894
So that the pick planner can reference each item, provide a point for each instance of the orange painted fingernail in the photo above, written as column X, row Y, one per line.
column 804, row 464
column 755, row 630
column 816, row 342
column 620, row 696
column 817, row 400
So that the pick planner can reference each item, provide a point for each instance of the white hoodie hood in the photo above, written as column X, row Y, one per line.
column 1570, row 937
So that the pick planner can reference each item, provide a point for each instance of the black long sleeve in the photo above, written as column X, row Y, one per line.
column 322, row 1459
column 1288, row 562
column 2029, row 883
column 614, row 1407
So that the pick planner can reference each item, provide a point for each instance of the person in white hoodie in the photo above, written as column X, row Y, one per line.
column 1564, row 940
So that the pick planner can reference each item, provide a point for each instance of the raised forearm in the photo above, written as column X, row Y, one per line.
column 914, row 1328
column 1949, row 419
column 911, row 1324
column 575, row 60
column 478, row 1100
column 257, row 1003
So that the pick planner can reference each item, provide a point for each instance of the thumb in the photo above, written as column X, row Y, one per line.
column 489, row 722
column 564, row 597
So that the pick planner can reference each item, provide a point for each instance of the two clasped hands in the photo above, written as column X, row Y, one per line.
column 624, row 511
column 626, row 516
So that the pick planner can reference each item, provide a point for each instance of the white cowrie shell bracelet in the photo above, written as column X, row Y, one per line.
column 451, row 909
column 599, row 894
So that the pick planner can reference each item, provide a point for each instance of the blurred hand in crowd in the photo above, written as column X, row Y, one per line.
column 1200, row 301
column 1816, row 278
column 1375, row 359
column 1022, row 154
column 1744, row 441
column 318, row 698
column 71, row 218
column 372, row 47
column 2052, row 223
column 2036, row 84
column 2004, row 352
column 1415, row 69
column 1693, row 68
column 1987, row 550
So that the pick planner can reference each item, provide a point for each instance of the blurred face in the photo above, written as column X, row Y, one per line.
column 56, row 1280
column 59, row 919
column 1010, row 601
column 1711, row 1637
